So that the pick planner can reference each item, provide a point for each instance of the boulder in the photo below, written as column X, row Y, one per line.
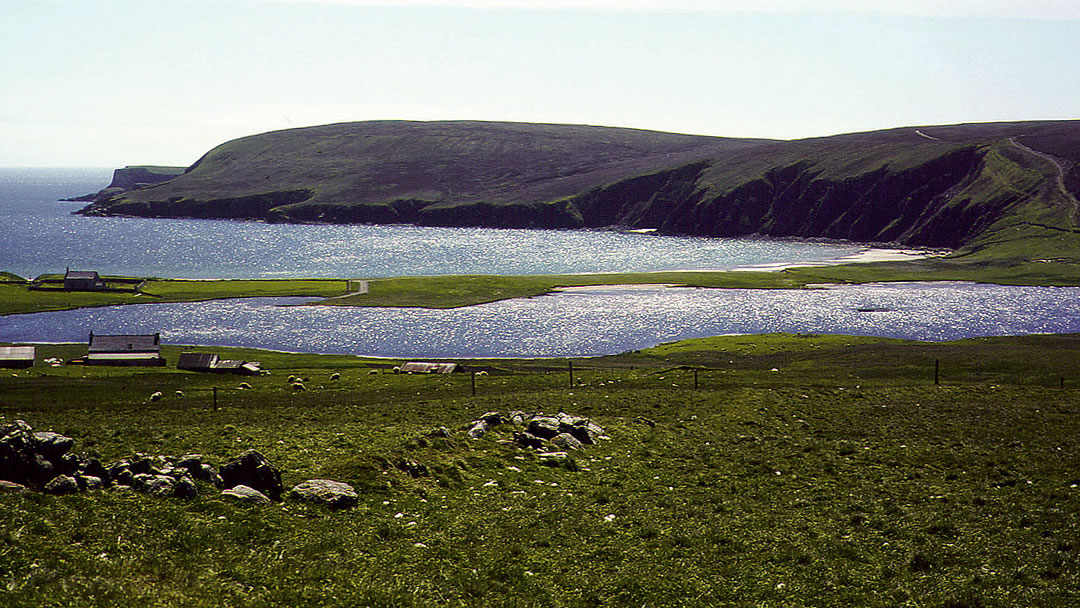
column 62, row 484
column 185, row 488
column 89, row 482
column 517, row 417
column 566, row 441
column 492, row 418
column 544, row 427
column 528, row 440
column 253, row 470
column 53, row 445
column 478, row 429
column 246, row 494
column 334, row 494
column 155, row 485
column 10, row 487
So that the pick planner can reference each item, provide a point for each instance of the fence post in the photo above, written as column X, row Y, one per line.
column 937, row 371
column 215, row 399
column 473, row 384
column 695, row 380
column 571, row 365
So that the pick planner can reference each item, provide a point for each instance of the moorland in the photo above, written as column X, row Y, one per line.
column 773, row 470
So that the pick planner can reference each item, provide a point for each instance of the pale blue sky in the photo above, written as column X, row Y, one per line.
column 115, row 82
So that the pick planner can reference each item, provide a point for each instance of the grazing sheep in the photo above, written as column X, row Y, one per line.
column 291, row 379
column 397, row 369
column 179, row 393
column 335, row 376
column 245, row 386
column 155, row 396
column 373, row 372
column 299, row 386
column 481, row 373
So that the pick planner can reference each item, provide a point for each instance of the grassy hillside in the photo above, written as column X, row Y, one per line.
column 780, row 470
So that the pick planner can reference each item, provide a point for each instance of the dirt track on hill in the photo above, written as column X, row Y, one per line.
column 1061, row 170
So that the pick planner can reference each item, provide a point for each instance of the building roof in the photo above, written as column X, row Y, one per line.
column 81, row 274
column 196, row 360
column 150, row 343
column 17, row 353
column 422, row 367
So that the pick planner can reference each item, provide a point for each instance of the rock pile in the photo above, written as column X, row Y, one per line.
column 540, row 431
column 44, row 461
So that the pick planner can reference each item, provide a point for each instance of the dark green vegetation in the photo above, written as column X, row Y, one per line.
column 17, row 297
column 999, row 192
column 131, row 178
column 843, row 478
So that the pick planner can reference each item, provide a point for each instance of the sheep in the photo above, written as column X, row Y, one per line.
column 373, row 372
column 155, row 396
column 245, row 386
column 397, row 369
column 291, row 379
column 481, row 373
column 179, row 394
column 335, row 376
column 299, row 386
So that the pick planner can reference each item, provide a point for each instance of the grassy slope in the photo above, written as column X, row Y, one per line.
column 844, row 478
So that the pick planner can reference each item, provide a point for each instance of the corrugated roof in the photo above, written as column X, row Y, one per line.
column 81, row 274
column 125, row 343
column 196, row 360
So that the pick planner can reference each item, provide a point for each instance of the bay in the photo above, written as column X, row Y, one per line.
column 41, row 236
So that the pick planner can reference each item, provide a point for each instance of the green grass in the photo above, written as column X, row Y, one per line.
column 846, row 478
column 17, row 298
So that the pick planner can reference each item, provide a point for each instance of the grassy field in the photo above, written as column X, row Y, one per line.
column 780, row 470
column 17, row 298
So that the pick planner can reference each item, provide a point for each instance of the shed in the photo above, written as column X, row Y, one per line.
column 197, row 362
column 83, row 280
column 17, row 356
column 125, row 349
column 421, row 367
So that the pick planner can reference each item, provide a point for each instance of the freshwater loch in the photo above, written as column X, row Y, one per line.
column 43, row 236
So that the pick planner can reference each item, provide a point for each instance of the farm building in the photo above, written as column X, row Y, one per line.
column 125, row 350
column 83, row 280
column 420, row 367
column 209, row 362
column 17, row 356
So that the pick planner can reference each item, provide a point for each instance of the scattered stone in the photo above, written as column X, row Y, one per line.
column 566, row 441
column 155, row 485
column 252, row 469
column 246, row 494
column 334, row 494
column 528, row 440
column 89, row 482
column 53, row 445
column 492, row 418
column 10, row 487
column 517, row 417
column 413, row 468
column 478, row 429
column 62, row 484
column 185, row 488
column 544, row 427
column 439, row 432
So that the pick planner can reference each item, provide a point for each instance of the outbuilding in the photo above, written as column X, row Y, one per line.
column 123, row 349
column 423, row 367
column 17, row 357
column 83, row 280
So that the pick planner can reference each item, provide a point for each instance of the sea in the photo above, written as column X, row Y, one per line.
column 41, row 235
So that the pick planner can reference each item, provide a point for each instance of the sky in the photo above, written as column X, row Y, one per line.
column 108, row 83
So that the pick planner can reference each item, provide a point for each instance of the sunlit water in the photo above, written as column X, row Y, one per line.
column 40, row 236
column 587, row 322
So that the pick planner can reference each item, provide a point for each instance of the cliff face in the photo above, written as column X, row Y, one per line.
column 895, row 186
column 131, row 178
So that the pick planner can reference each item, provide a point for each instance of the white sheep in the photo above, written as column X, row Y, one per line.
column 373, row 372
column 155, row 396
column 335, row 376
column 179, row 393
column 299, row 386
column 244, row 386
column 481, row 373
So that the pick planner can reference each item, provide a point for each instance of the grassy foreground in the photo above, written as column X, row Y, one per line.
column 801, row 471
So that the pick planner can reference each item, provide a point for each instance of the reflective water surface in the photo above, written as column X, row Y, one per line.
column 577, row 322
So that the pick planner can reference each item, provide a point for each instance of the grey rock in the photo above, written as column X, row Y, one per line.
column 185, row 488
column 62, row 484
column 246, row 494
column 10, row 487
column 544, row 427
column 528, row 440
column 334, row 494
column 155, row 485
column 566, row 441
column 492, row 418
column 478, row 429
column 253, row 470
column 517, row 417
column 53, row 445
column 89, row 482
